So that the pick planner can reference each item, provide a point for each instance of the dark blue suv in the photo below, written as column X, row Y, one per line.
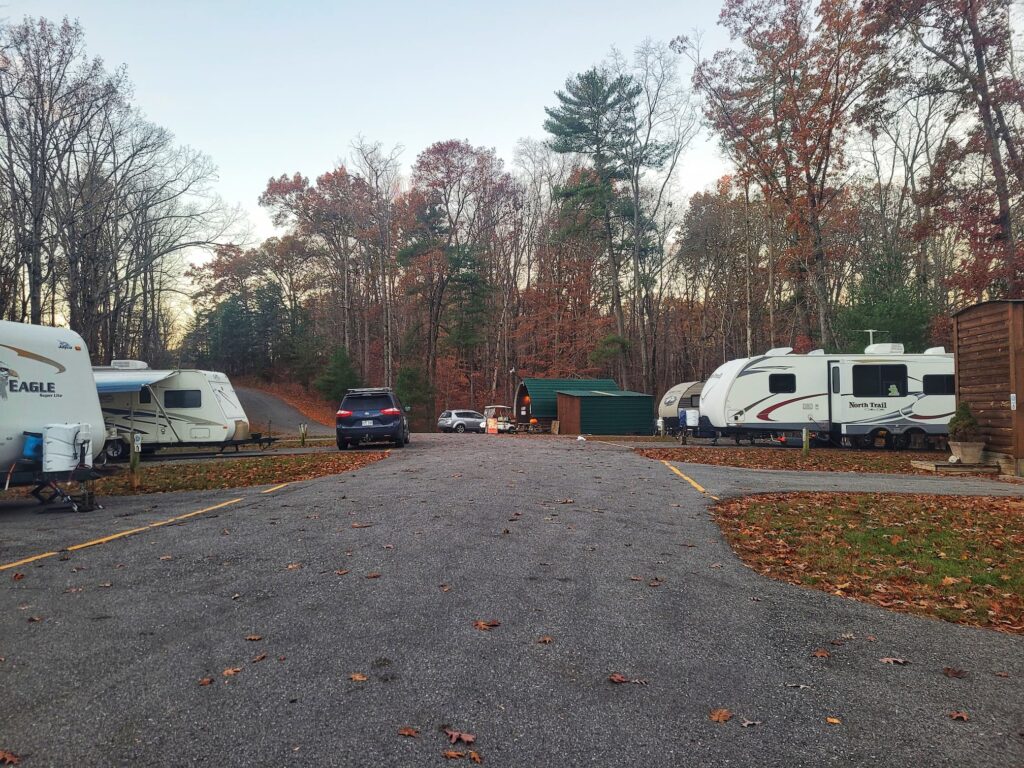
column 370, row 416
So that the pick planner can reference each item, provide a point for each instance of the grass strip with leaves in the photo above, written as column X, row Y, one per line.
column 217, row 474
column 819, row 460
column 956, row 558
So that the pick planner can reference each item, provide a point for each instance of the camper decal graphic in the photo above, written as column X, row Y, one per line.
column 11, row 381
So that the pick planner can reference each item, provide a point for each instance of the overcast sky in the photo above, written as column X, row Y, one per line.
column 266, row 88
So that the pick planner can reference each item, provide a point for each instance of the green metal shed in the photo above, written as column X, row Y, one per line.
column 538, row 398
column 604, row 412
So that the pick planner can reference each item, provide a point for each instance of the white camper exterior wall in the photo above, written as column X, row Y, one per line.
column 187, row 406
column 45, row 378
column 832, row 393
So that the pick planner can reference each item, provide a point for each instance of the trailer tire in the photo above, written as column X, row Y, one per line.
column 116, row 450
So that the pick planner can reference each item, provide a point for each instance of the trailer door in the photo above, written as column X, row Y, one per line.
column 835, row 381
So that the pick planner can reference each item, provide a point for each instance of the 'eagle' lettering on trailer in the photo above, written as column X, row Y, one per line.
column 869, row 406
column 39, row 387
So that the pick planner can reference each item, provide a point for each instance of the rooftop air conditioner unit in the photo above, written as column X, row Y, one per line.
column 883, row 349
column 935, row 351
column 129, row 365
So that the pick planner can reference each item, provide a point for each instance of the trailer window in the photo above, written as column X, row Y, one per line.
column 781, row 383
column 879, row 381
column 835, row 381
column 183, row 398
column 695, row 401
column 939, row 384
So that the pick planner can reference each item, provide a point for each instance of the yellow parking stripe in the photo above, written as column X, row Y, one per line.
column 121, row 534
column 691, row 481
column 27, row 560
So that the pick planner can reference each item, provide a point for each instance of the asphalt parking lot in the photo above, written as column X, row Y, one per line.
column 384, row 573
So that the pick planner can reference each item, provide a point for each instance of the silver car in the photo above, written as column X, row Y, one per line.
column 461, row 421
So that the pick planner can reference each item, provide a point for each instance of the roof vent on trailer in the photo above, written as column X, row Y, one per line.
column 935, row 351
column 129, row 365
column 778, row 351
column 883, row 349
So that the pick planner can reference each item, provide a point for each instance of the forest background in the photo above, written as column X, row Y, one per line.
column 877, row 170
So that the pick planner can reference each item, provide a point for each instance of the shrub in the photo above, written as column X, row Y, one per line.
column 963, row 427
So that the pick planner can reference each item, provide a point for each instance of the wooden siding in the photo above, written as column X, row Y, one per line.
column 988, row 345
column 568, row 414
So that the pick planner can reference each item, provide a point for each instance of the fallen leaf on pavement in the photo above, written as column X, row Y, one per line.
column 257, row 659
column 9, row 758
column 893, row 660
column 833, row 721
column 362, row 525
column 797, row 685
column 235, row 596
column 206, row 681
column 655, row 582
column 720, row 715
column 34, row 619
column 341, row 572
column 253, row 638
column 410, row 732
column 618, row 678
column 475, row 757
column 1002, row 674
column 748, row 723
column 954, row 672
column 445, row 587
column 959, row 716
column 545, row 640
column 232, row 671
column 451, row 754
column 166, row 557
column 358, row 677
column 19, row 576
column 486, row 625
column 566, row 501
column 821, row 653
column 294, row 566
column 105, row 585
column 373, row 575
column 456, row 736
column 635, row 578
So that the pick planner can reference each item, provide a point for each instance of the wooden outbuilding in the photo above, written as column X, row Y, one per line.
column 605, row 412
column 988, row 350
column 538, row 398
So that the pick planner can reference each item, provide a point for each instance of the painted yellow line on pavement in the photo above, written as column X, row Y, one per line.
column 121, row 534
column 27, row 560
column 690, row 480
column 275, row 488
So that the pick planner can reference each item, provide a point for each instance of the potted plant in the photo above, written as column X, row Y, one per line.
column 964, row 434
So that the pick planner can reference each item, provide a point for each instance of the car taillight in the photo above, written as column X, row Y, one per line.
column 343, row 414
column 391, row 412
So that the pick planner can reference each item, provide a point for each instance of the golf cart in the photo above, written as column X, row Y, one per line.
column 499, row 419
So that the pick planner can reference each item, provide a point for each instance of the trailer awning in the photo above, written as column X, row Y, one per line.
column 111, row 382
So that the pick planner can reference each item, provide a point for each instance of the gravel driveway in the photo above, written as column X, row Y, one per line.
column 610, row 555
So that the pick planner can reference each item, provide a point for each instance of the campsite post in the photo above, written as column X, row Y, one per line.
column 806, row 450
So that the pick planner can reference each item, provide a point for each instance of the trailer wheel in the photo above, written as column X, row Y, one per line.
column 116, row 450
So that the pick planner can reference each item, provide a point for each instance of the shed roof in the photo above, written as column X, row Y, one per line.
column 983, row 303
column 600, row 393
column 544, row 392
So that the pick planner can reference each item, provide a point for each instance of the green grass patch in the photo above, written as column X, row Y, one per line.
column 957, row 558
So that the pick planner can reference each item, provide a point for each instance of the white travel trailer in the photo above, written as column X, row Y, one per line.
column 679, row 398
column 168, row 408
column 856, row 399
column 51, row 426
